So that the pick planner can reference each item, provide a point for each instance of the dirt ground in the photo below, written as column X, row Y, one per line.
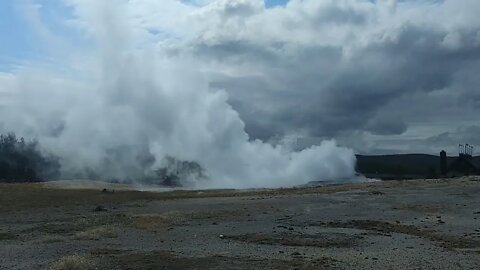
column 418, row 224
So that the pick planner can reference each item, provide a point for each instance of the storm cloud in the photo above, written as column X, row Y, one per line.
column 326, row 68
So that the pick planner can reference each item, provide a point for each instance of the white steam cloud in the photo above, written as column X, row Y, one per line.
column 130, row 107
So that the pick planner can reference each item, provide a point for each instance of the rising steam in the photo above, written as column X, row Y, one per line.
column 128, row 112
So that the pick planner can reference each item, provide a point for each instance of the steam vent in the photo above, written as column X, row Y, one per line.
column 462, row 165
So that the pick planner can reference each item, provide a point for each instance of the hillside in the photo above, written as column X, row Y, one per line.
column 403, row 165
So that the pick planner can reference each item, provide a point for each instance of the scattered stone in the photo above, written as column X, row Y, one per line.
column 100, row 208
column 106, row 191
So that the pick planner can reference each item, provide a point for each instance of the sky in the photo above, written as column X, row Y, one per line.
column 378, row 77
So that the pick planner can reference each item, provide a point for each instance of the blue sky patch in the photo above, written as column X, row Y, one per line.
column 273, row 3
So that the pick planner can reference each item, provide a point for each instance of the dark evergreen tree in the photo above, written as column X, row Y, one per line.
column 22, row 161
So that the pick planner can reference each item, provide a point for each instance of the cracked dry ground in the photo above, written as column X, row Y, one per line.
column 421, row 224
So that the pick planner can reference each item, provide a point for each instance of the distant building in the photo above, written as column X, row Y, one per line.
column 462, row 165
column 443, row 162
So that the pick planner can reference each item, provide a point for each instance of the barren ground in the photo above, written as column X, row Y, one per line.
column 421, row 224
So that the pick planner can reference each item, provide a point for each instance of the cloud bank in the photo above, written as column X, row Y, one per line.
column 389, row 73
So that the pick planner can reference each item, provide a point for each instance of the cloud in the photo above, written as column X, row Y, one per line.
column 323, row 68
column 462, row 135
column 386, row 125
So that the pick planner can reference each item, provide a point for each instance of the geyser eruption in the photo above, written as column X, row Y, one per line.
column 132, row 109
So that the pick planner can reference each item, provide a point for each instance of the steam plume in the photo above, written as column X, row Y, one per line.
column 133, row 107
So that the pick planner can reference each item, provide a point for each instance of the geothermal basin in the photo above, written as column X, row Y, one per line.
column 415, row 224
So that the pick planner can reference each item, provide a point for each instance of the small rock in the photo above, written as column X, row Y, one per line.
column 296, row 253
column 221, row 236
column 106, row 191
column 100, row 209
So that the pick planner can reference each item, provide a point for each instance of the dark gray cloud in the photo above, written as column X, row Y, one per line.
column 463, row 135
column 359, row 70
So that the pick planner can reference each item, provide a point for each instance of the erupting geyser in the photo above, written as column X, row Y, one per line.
column 119, row 110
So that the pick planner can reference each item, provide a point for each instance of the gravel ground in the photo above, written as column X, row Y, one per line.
column 418, row 224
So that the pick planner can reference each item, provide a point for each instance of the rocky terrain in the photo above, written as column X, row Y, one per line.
column 415, row 224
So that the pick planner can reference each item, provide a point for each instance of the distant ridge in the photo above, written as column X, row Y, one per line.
column 403, row 166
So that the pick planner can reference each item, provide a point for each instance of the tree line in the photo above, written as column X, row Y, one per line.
column 22, row 161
